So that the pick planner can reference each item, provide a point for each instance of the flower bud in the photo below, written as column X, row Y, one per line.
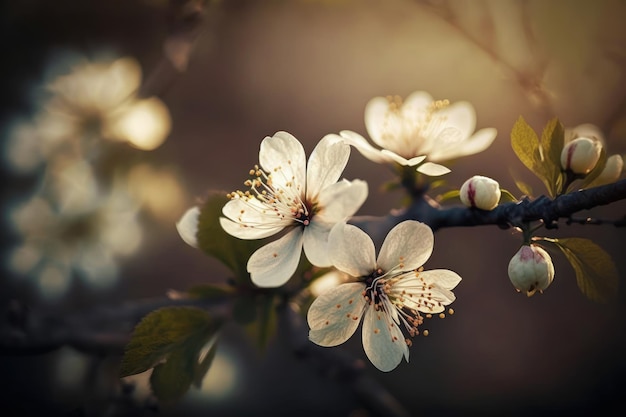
column 611, row 172
column 480, row 192
column 531, row 269
column 581, row 155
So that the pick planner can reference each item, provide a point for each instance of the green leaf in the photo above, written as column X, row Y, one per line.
column 552, row 140
column 542, row 158
column 245, row 309
column 163, row 331
column 204, row 365
column 449, row 195
column 214, row 241
column 507, row 197
column 257, row 314
column 437, row 183
column 390, row 186
column 525, row 144
column 171, row 380
column 524, row 188
column 596, row 274
column 266, row 324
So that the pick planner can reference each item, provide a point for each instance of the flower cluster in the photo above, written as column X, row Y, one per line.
column 91, row 102
column 306, row 205
column 85, row 213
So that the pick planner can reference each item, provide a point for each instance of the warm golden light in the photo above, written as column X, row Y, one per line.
column 145, row 124
column 158, row 190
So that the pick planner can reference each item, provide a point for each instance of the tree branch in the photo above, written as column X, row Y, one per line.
column 544, row 209
column 103, row 330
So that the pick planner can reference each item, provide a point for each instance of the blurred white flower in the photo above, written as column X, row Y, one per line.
column 158, row 189
column 287, row 194
column 93, row 101
column 330, row 280
column 585, row 130
column 187, row 226
column 392, row 291
column 74, row 228
column 419, row 129
column 99, row 98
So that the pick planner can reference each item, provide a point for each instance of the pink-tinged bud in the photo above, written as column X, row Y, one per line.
column 480, row 192
column 611, row 172
column 531, row 269
column 581, row 155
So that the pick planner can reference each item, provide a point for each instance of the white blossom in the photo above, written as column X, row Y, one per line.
column 304, row 201
column 418, row 129
column 390, row 293
column 75, row 228
column 187, row 226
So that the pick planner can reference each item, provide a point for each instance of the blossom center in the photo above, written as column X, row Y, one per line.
column 399, row 294
column 283, row 200
column 413, row 134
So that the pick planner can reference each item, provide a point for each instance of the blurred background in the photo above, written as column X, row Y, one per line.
column 170, row 99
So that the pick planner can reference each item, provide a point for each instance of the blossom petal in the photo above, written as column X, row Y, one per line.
column 335, row 315
column 479, row 141
column 401, row 160
column 461, row 116
column 248, row 219
column 386, row 125
column 427, row 291
column 383, row 340
column 187, row 226
column 340, row 200
column 431, row 169
column 273, row 264
column 409, row 243
column 442, row 278
column 380, row 122
column 363, row 146
column 416, row 102
column 351, row 250
column 282, row 156
column 316, row 244
column 326, row 163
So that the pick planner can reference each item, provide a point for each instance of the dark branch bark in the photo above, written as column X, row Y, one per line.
column 507, row 215
column 103, row 330
column 106, row 330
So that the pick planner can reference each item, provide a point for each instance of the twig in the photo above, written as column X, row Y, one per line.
column 102, row 331
column 506, row 215
column 596, row 222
